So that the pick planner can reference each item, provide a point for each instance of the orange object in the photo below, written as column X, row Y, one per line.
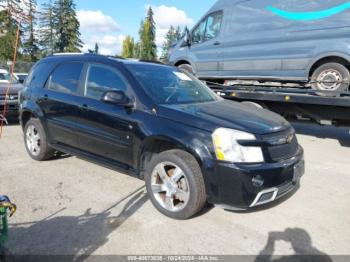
column 10, row 82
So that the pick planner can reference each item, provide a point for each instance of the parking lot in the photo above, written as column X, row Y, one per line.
column 68, row 206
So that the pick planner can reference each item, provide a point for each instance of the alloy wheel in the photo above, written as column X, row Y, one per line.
column 33, row 140
column 170, row 187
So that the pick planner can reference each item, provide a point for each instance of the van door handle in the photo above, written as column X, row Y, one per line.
column 217, row 43
column 84, row 107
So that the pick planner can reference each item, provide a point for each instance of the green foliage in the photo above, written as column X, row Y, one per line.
column 66, row 27
column 128, row 47
column 171, row 37
column 148, row 47
column 8, row 31
column 31, row 47
column 48, row 37
column 137, row 50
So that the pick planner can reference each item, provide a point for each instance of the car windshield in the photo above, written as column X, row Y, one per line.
column 168, row 85
column 5, row 77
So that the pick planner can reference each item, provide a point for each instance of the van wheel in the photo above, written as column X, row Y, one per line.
column 331, row 77
column 175, row 184
column 188, row 68
column 36, row 142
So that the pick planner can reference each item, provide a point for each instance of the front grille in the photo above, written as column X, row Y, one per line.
column 10, row 97
column 282, row 145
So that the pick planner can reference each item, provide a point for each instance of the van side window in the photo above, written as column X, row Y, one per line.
column 66, row 78
column 213, row 27
column 208, row 29
column 101, row 79
column 198, row 33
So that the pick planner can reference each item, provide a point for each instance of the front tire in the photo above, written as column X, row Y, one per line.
column 332, row 77
column 175, row 184
column 35, row 141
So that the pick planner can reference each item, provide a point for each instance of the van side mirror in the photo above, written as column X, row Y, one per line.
column 117, row 98
column 187, row 38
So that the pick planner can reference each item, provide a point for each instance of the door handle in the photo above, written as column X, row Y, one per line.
column 84, row 107
column 217, row 43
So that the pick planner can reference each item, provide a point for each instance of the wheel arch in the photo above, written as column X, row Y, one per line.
column 340, row 58
column 158, row 144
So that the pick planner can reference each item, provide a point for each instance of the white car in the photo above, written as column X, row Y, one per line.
column 5, row 77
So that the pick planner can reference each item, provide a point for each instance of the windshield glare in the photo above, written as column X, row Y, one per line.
column 168, row 85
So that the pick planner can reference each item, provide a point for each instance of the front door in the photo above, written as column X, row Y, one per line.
column 105, row 130
column 205, row 46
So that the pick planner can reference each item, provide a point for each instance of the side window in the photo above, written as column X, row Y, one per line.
column 66, row 78
column 208, row 29
column 213, row 27
column 101, row 79
column 198, row 33
column 38, row 75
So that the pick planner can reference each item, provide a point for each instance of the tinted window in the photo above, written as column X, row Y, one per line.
column 168, row 85
column 213, row 26
column 101, row 79
column 38, row 75
column 66, row 78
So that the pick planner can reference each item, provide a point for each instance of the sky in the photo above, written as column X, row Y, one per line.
column 107, row 22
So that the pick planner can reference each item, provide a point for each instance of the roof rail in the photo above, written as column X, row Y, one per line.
column 150, row 61
column 58, row 54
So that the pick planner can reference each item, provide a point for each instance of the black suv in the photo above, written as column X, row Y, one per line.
column 161, row 125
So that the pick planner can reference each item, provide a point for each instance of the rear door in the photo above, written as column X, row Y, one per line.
column 205, row 45
column 59, row 102
column 105, row 130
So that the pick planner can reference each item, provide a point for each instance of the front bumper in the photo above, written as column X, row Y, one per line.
column 12, row 106
column 245, row 186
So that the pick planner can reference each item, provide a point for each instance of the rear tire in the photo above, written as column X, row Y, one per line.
column 332, row 77
column 188, row 68
column 179, row 192
column 35, row 141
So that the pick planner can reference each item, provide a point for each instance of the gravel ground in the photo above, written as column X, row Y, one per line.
column 68, row 206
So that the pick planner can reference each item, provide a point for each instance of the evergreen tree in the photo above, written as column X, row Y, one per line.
column 66, row 27
column 8, row 32
column 137, row 50
column 14, row 8
column 97, row 48
column 170, row 38
column 178, row 34
column 148, row 37
column 11, row 16
column 31, row 44
column 128, row 47
column 47, row 32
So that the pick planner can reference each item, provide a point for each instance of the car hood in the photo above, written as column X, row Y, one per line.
column 226, row 114
column 14, row 88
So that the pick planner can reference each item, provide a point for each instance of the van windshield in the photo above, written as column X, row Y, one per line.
column 168, row 85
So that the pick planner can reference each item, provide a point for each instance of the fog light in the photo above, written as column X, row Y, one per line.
column 258, row 181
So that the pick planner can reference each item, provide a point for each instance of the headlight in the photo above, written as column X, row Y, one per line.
column 227, row 147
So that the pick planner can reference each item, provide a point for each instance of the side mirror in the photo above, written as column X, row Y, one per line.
column 117, row 98
column 187, row 38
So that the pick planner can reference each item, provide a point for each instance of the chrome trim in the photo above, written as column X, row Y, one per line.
column 267, row 191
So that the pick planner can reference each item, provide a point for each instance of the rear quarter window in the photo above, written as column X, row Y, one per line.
column 38, row 75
